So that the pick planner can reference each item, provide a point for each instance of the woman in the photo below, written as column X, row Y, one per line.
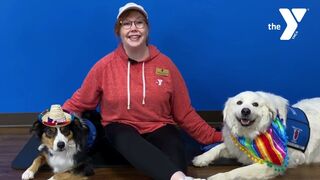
column 142, row 97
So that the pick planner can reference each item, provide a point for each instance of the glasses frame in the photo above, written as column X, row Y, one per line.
column 135, row 22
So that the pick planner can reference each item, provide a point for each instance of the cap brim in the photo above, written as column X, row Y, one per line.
column 134, row 8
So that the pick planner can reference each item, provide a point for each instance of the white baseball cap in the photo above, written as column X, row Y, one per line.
column 132, row 5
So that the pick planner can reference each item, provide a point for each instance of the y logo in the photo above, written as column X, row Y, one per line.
column 292, row 19
column 159, row 82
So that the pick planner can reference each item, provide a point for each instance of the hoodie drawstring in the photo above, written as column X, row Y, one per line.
column 128, row 85
column 143, row 84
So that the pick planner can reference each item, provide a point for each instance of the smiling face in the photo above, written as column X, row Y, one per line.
column 133, row 29
column 246, row 111
column 248, row 114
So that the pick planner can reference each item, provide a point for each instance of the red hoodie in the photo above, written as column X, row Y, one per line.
column 157, row 95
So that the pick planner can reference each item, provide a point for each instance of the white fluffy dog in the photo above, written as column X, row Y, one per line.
column 250, row 115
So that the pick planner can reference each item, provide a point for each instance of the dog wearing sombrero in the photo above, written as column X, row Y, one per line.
column 65, row 140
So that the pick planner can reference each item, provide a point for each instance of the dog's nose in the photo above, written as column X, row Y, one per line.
column 245, row 111
column 60, row 145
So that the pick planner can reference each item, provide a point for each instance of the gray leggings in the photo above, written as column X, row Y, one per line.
column 158, row 154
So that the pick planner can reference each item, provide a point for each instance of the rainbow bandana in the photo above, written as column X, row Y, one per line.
column 269, row 148
column 55, row 116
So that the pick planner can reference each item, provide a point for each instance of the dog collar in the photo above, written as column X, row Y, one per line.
column 269, row 147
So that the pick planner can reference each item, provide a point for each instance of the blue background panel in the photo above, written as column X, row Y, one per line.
column 221, row 48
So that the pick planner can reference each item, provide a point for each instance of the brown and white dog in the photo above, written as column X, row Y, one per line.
column 64, row 145
column 258, row 132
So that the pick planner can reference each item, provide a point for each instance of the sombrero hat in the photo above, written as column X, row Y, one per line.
column 55, row 116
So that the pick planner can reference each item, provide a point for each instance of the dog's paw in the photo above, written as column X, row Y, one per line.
column 218, row 176
column 52, row 178
column 201, row 160
column 41, row 147
column 27, row 175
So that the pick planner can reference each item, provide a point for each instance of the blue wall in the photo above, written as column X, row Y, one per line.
column 221, row 47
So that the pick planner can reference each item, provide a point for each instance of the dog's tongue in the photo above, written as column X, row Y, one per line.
column 245, row 121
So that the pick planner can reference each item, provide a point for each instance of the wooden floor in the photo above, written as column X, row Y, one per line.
column 13, row 139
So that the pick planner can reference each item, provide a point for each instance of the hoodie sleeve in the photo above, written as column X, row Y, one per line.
column 88, row 95
column 186, row 116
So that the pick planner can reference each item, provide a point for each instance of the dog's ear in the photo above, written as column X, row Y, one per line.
column 282, row 108
column 79, row 122
column 277, row 105
column 80, row 131
column 226, row 109
column 269, row 110
column 37, row 127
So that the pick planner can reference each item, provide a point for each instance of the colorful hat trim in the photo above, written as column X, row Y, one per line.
column 55, row 116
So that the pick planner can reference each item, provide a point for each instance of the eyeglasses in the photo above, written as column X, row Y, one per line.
column 138, row 23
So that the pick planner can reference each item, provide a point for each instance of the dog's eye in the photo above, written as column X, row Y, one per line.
column 239, row 102
column 51, row 132
column 65, row 131
column 255, row 104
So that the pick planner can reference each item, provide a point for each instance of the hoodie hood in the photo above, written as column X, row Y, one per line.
column 153, row 52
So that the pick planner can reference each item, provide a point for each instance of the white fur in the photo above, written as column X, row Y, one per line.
column 62, row 161
column 268, row 107
column 27, row 175
column 59, row 138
